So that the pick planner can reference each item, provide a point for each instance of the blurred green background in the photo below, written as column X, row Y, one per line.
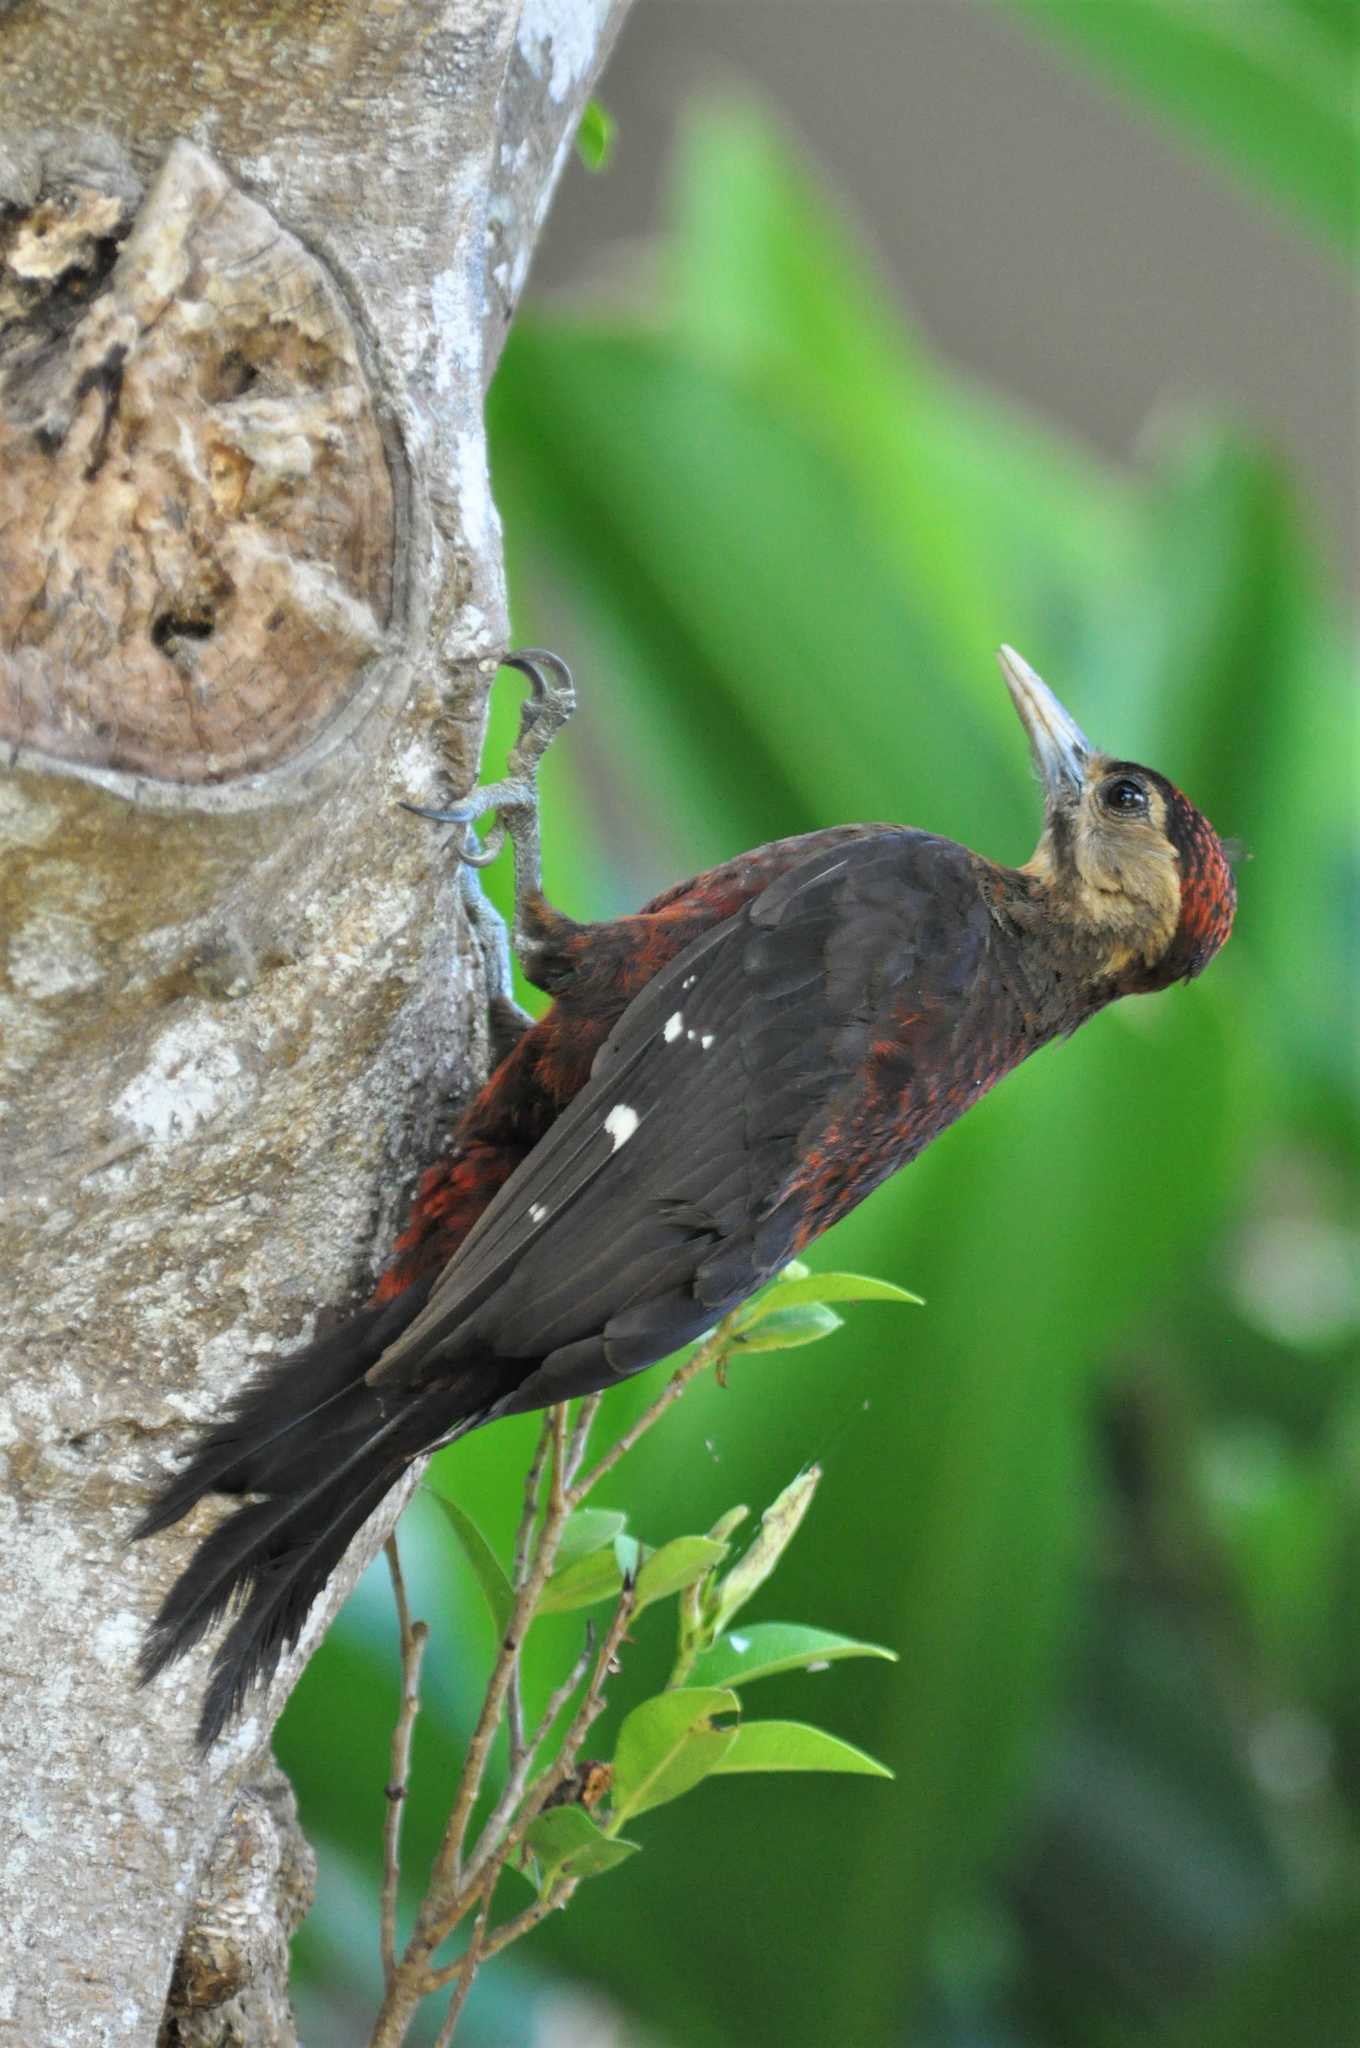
column 1103, row 1492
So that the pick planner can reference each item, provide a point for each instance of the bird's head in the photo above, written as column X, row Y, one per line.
column 1139, row 872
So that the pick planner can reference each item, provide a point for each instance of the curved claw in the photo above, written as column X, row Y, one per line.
column 482, row 857
column 527, row 660
column 456, row 814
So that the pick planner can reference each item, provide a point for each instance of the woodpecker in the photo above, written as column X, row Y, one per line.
column 720, row 1078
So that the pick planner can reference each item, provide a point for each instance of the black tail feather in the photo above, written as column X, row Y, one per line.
column 319, row 1484
column 284, row 1585
column 249, row 1451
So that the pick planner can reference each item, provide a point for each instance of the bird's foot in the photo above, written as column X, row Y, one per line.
column 514, row 798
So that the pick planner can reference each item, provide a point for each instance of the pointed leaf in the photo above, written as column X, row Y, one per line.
column 587, row 1530
column 792, row 1746
column 676, row 1565
column 667, row 1745
column 591, row 1579
column 836, row 1287
column 565, row 1841
column 784, row 1329
column 728, row 1523
column 778, row 1527
column 485, row 1565
column 768, row 1647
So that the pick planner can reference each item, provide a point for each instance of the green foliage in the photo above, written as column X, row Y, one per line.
column 596, row 136
column 481, row 1558
column 1272, row 82
column 767, row 1648
column 1104, row 1498
column 667, row 1745
column 791, row 1746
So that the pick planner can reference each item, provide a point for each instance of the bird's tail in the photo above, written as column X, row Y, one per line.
column 320, row 1447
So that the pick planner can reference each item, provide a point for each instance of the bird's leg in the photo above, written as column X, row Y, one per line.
column 514, row 799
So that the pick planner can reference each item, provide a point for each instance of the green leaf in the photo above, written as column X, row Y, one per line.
column 778, row 1527
column 768, row 1647
column 824, row 1287
column 1263, row 81
column 784, row 1329
column 596, row 135
column 482, row 1559
column 667, row 1745
column 587, row 1530
column 591, row 1579
column 676, row 1565
column 565, row 1841
column 727, row 1524
column 792, row 1746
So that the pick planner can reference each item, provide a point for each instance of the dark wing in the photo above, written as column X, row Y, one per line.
column 653, row 1203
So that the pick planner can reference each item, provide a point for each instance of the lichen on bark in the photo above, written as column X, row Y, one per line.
column 255, row 266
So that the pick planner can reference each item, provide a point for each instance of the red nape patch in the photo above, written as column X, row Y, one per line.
column 1208, row 891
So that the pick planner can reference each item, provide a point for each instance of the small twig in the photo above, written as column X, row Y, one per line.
column 580, row 1436
column 514, row 1698
column 532, row 1479
column 557, row 1894
column 462, row 1883
column 413, row 1637
column 492, row 1835
column 589, row 1711
column 466, row 1971
column 559, row 1417
column 446, row 1877
column 705, row 1354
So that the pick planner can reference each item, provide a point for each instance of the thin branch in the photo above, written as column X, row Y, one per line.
column 413, row 1638
column 466, row 1971
column 503, row 1812
column 557, row 1484
column 707, row 1353
column 580, row 1436
column 446, row 1877
column 532, row 1479
column 556, row 1895
column 461, row 1883
column 589, row 1711
column 514, row 1699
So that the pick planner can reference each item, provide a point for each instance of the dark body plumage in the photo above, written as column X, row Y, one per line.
column 721, row 1078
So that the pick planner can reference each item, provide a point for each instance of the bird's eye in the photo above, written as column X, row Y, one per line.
column 1124, row 797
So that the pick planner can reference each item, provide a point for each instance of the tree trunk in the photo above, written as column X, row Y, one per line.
column 256, row 262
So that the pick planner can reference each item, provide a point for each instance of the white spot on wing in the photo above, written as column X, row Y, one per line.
column 689, row 981
column 706, row 1040
column 538, row 1212
column 621, row 1123
column 675, row 1024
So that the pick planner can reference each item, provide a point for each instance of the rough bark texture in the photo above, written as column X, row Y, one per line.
column 256, row 261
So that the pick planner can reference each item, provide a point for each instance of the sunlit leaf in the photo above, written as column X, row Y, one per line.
column 675, row 1565
column 822, row 1287
column 667, row 1745
column 565, row 1841
column 591, row 1579
column 786, row 1329
column 791, row 1746
column 768, row 1647
column 587, row 1530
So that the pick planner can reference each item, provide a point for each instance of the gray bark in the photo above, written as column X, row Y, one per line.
column 256, row 262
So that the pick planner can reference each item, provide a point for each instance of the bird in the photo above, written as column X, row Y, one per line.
column 721, row 1077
